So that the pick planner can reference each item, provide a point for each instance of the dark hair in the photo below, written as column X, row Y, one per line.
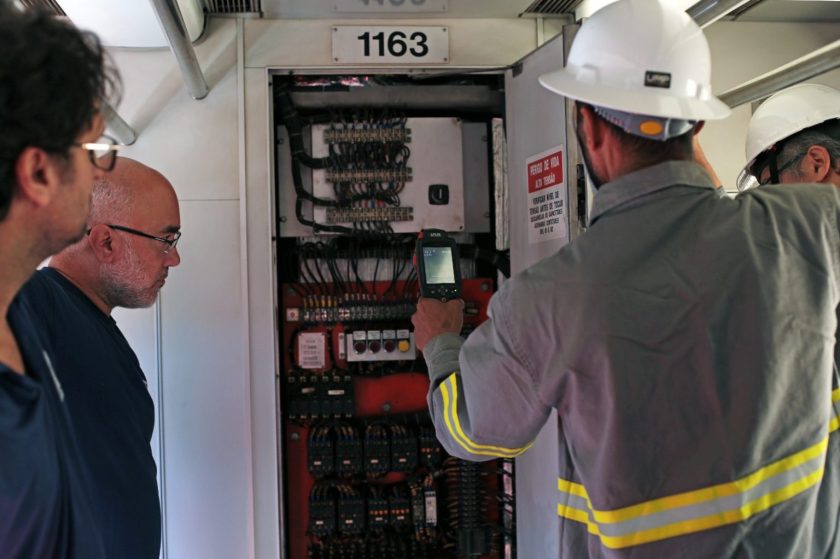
column 650, row 152
column 52, row 78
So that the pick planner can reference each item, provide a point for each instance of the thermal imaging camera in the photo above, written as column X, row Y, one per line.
column 437, row 262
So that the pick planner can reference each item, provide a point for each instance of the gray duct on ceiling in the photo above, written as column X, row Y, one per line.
column 173, row 26
column 706, row 12
column 122, row 132
column 811, row 65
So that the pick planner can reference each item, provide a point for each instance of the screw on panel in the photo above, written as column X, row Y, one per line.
column 485, row 287
column 290, row 291
column 282, row 219
column 295, row 436
column 386, row 407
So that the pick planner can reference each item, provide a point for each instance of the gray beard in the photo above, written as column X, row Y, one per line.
column 122, row 283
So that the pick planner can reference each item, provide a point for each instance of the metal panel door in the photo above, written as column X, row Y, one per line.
column 537, row 142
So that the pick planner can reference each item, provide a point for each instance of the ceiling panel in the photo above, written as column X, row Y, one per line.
column 320, row 9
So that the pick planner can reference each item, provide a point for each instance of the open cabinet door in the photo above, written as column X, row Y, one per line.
column 541, row 151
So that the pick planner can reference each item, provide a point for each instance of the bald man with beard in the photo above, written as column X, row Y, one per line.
column 123, row 261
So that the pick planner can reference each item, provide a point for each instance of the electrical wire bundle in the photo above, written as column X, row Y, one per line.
column 367, row 165
column 335, row 267
column 466, row 504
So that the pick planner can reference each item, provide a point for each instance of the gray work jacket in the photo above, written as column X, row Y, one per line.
column 686, row 341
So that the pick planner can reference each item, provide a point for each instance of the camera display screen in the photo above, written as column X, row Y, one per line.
column 437, row 263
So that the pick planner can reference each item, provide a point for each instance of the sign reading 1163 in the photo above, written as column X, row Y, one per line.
column 357, row 44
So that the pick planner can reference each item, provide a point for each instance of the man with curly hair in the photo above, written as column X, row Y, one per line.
column 52, row 80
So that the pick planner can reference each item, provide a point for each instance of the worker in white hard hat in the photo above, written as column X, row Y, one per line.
column 685, row 340
column 794, row 137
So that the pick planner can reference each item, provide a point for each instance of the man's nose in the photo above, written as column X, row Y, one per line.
column 173, row 257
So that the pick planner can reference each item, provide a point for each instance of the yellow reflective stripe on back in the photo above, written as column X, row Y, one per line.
column 572, row 488
column 453, row 425
column 713, row 506
column 714, row 492
column 713, row 520
column 579, row 515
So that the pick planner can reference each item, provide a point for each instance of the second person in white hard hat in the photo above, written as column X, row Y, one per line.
column 794, row 137
column 685, row 340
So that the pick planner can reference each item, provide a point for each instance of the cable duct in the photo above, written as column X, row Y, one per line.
column 818, row 62
column 706, row 12
column 175, row 30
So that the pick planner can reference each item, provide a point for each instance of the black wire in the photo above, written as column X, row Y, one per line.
column 323, row 281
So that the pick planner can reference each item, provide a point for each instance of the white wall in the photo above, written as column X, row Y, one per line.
column 306, row 44
column 191, row 344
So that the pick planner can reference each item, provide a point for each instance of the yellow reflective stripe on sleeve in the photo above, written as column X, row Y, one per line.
column 835, row 420
column 453, row 425
column 698, row 510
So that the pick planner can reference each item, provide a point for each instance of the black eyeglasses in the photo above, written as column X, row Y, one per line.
column 775, row 172
column 169, row 242
column 102, row 153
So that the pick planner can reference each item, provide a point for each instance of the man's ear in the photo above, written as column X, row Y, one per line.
column 37, row 175
column 101, row 240
column 818, row 162
column 591, row 127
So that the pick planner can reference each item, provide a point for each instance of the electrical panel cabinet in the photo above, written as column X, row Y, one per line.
column 360, row 171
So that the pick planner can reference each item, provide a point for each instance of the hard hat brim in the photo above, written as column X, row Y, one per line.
column 653, row 103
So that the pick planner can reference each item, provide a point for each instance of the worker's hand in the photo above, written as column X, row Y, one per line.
column 434, row 317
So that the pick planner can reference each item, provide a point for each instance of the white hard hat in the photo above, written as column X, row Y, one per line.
column 641, row 56
column 788, row 112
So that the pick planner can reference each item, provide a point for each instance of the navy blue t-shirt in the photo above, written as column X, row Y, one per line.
column 45, row 510
column 111, row 409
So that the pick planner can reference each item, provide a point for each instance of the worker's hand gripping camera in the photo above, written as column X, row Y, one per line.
column 437, row 263
column 440, row 308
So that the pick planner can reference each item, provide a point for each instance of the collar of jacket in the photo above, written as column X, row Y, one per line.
column 646, row 181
